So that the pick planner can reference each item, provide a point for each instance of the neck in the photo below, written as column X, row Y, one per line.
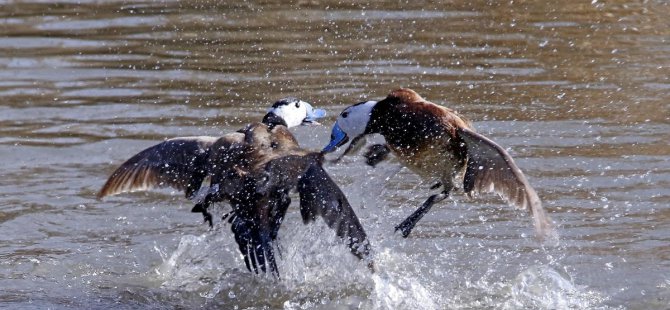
column 377, row 122
column 273, row 120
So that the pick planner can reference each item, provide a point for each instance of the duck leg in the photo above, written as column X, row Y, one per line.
column 202, row 208
column 408, row 224
column 376, row 153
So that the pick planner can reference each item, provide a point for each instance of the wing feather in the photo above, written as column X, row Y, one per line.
column 320, row 196
column 180, row 163
column 490, row 169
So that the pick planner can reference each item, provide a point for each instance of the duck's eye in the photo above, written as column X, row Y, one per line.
column 345, row 114
column 297, row 104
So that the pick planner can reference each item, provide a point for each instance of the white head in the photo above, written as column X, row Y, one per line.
column 351, row 123
column 293, row 112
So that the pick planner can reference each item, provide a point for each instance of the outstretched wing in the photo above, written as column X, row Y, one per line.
column 320, row 195
column 180, row 163
column 491, row 169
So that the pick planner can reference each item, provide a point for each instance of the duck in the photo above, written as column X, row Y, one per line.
column 184, row 163
column 439, row 145
column 265, row 168
column 253, row 169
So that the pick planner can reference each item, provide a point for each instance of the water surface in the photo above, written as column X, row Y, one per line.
column 577, row 91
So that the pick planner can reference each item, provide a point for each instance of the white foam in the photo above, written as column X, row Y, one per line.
column 542, row 287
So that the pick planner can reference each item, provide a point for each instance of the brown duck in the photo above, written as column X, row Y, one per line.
column 254, row 170
column 438, row 144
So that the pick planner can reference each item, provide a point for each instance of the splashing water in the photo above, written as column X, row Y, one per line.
column 318, row 273
column 542, row 287
column 394, row 290
column 316, row 270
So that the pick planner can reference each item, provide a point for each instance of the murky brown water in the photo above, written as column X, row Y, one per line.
column 578, row 91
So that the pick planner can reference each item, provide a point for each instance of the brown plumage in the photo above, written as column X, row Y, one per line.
column 439, row 144
column 257, row 183
column 184, row 163
column 179, row 163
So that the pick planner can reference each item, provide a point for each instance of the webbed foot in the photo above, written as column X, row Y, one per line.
column 376, row 153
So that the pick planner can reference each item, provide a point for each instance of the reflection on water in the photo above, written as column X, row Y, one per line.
column 577, row 91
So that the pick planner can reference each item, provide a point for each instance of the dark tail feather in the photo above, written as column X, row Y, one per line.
column 256, row 246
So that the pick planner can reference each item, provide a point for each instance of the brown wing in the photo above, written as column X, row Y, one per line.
column 180, row 163
column 320, row 195
column 490, row 169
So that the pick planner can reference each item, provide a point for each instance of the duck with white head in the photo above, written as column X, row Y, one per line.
column 253, row 170
column 439, row 145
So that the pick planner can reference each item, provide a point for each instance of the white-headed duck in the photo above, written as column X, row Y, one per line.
column 183, row 163
column 438, row 144
column 254, row 170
